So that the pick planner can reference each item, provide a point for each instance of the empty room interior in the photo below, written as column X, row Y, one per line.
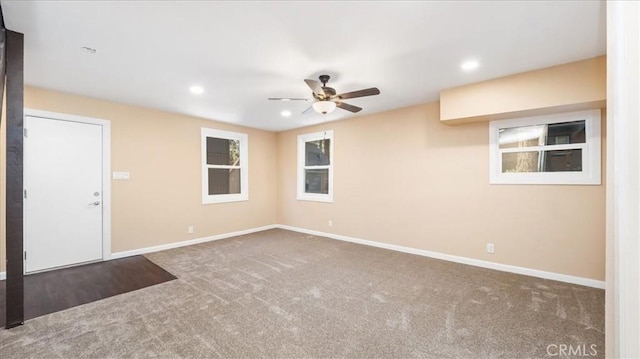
column 344, row 179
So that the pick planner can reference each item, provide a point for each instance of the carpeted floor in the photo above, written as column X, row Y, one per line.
column 290, row 295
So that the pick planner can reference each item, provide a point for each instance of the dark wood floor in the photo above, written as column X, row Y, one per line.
column 60, row 289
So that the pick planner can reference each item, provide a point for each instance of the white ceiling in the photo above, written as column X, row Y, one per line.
column 149, row 53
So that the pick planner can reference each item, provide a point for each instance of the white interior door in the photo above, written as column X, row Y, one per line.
column 63, row 193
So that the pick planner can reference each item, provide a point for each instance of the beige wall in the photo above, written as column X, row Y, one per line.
column 574, row 86
column 405, row 178
column 401, row 177
column 162, row 152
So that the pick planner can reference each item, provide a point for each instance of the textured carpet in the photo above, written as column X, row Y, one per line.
column 289, row 295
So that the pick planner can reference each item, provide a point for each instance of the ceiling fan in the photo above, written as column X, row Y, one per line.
column 326, row 98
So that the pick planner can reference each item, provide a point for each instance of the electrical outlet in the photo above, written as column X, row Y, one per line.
column 190, row 229
column 490, row 248
column 330, row 223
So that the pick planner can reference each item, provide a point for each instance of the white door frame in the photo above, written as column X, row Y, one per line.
column 623, row 180
column 106, row 168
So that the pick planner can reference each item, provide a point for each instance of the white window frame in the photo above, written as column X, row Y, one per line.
column 302, row 140
column 591, row 161
column 244, row 166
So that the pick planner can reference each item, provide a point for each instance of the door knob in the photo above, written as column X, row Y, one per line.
column 96, row 203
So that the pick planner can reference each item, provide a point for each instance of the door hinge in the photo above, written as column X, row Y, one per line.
column 25, row 255
column 25, row 194
column 25, row 132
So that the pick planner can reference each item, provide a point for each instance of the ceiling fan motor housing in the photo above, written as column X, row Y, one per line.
column 324, row 79
column 329, row 92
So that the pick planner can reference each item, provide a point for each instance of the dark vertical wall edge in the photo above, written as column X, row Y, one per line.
column 3, row 47
column 3, row 56
column 14, row 163
column 2, row 19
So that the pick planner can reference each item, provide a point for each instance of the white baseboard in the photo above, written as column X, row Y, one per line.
column 163, row 247
column 451, row 258
column 421, row 252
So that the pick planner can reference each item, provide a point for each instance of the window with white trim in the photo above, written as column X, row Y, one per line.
column 315, row 167
column 225, row 174
column 552, row 149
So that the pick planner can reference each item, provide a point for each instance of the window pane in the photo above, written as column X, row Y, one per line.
column 316, row 181
column 563, row 161
column 543, row 161
column 224, row 181
column 525, row 136
column 566, row 132
column 317, row 153
column 539, row 135
column 223, row 151
column 520, row 162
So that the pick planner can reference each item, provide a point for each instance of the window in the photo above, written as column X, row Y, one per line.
column 553, row 149
column 225, row 176
column 315, row 167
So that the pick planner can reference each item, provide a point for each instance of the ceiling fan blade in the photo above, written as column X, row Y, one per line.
column 346, row 106
column 315, row 86
column 287, row 99
column 307, row 110
column 360, row 93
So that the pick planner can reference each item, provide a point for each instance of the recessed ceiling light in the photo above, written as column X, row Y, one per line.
column 196, row 90
column 469, row 65
column 285, row 113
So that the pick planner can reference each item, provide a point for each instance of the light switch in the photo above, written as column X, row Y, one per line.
column 120, row 175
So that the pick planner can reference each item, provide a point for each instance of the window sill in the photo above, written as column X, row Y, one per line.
column 516, row 179
column 224, row 199
column 316, row 198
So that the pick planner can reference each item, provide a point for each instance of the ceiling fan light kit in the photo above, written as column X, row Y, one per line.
column 324, row 107
column 327, row 98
